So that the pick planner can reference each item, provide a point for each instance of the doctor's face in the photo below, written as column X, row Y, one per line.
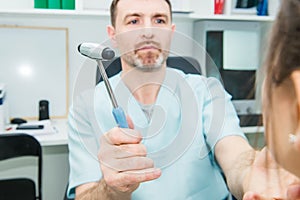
column 143, row 32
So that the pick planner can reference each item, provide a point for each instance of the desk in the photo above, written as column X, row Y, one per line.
column 59, row 138
column 55, row 162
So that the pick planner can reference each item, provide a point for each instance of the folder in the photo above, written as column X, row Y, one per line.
column 40, row 3
column 54, row 4
column 68, row 4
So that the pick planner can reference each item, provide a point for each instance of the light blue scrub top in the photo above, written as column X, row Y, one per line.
column 191, row 114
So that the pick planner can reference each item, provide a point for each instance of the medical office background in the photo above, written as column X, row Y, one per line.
column 39, row 60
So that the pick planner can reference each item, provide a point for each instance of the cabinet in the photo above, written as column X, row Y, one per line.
column 234, row 49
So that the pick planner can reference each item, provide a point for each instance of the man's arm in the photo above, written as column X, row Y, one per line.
column 235, row 156
column 98, row 190
column 101, row 190
column 120, row 187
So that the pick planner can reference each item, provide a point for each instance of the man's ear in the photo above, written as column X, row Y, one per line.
column 112, row 35
column 295, row 76
column 173, row 27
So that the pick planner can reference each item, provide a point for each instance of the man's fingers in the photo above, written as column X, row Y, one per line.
column 128, row 164
column 254, row 196
column 109, row 152
column 129, row 181
column 129, row 150
column 118, row 136
column 132, row 178
column 139, row 176
column 293, row 192
column 250, row 196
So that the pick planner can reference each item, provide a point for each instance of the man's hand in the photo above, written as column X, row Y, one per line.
column 123, row 160
column 268, row 181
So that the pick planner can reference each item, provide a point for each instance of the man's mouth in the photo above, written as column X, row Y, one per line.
column 147, row 48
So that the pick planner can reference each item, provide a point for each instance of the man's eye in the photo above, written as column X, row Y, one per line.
column 160, row 21
column 135, row 21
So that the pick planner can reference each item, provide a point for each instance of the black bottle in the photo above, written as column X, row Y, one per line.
column 43, row 110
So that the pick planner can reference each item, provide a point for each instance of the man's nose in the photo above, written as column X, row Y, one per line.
column 147, row 32
column 148, row 28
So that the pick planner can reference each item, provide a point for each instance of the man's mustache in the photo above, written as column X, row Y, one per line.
column 147, row 43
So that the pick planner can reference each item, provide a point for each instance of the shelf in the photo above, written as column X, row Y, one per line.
column 56, row 12
column 105, row 13
column 233, row 17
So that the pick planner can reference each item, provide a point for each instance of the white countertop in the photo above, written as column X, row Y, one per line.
column 59, row 135
column 58, row 138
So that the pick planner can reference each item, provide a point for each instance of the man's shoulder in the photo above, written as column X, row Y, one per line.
column 186, row 75
column 112, row 80
column 193, row 78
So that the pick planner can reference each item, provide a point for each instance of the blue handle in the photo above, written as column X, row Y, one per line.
column 120, row 117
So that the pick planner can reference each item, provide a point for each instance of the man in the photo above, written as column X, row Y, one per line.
column 127, row 165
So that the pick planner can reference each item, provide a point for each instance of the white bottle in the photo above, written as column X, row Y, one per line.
column 2, row 108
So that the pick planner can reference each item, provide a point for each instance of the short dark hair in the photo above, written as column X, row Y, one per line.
column 113, row 10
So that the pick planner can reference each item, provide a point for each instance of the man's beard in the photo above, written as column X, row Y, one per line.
column 146, row 61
